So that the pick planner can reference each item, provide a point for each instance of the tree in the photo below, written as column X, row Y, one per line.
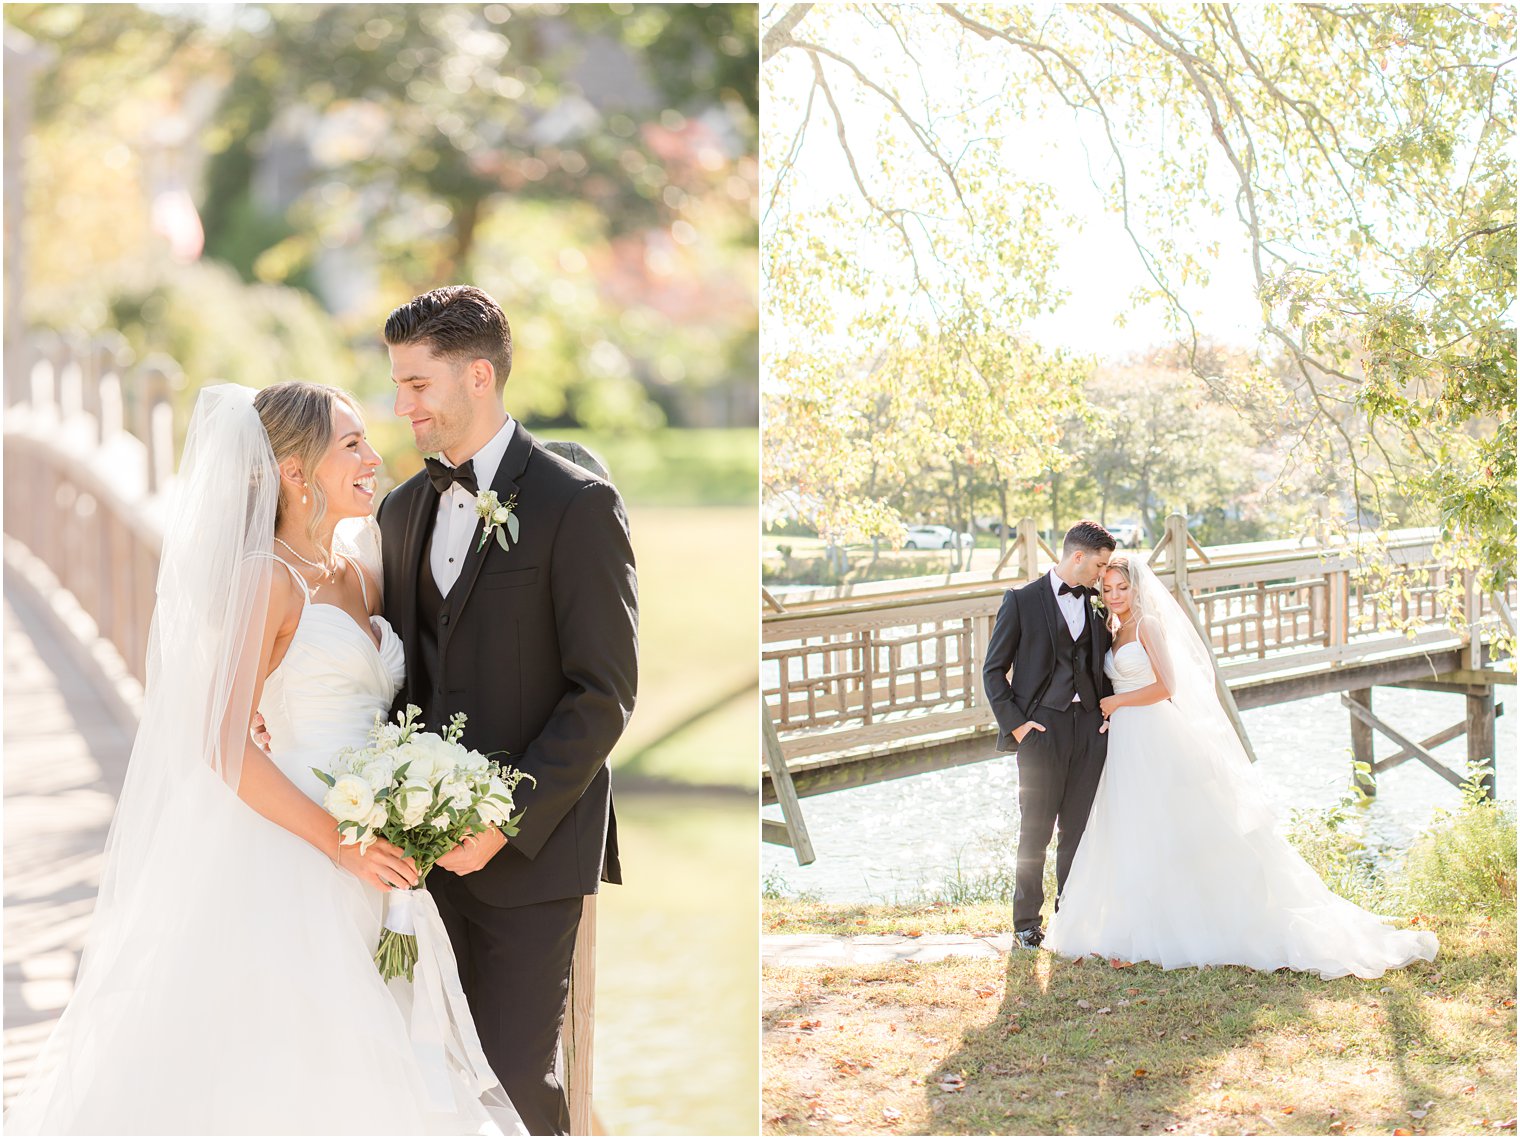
column 1359, row 149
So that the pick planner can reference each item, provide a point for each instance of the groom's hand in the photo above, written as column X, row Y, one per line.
column 260, row 732
column 473, row 852
column 1025, row 728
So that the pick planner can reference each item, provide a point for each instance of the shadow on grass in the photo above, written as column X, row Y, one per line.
column 1086, row 1048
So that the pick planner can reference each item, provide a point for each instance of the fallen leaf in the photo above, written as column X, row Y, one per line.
column 1105, row 1011
column 1337, row 1127
column 891, row 1114
column 1084, row 1004
column 951, row 1083
column 1418, row 1113
column 842, row 1118
column 915, row 933
column 809, row 1025
column 1507, row 1002
column 848, row 1068
column 1140, row 1073
column 1115, row 963
column 1402, row 1131
column 1132, row 992
column 1469, row 1089
column 1059, row 1094
column 985, row 991
column 1287, row 1111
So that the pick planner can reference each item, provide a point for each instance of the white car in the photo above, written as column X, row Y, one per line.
column 1129, row 535
column 936, row 538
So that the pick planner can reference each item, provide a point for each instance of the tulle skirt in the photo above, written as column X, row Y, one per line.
column 236, row 994
column 1178, row 867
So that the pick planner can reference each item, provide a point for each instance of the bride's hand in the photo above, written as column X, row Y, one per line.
column 1109, row 704
column 381, row 866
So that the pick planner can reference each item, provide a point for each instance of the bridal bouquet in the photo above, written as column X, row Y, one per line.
column 424, row 793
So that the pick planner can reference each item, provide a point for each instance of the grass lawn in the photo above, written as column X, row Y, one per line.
column 699, row 645
column 1036, row 1045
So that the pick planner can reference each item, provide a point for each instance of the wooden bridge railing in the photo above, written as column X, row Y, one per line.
column 89, row 451
column 861, row 673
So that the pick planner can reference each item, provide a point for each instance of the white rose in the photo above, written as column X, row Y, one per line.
column 349, row 799
column 419, row 759
column 378, row 817
column 413, row 801
column 378, row 772
column 500, row 515
column 474, row 763
column 439, row 822
column 388, row 736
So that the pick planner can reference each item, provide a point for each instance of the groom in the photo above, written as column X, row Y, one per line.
column 536, row 644
column 1047, row 710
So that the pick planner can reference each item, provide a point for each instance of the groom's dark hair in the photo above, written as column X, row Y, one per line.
column 459, row 323
column 1089, row 536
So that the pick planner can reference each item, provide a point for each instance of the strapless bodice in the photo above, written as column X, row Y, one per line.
column 324, row 693
column 1129, row 670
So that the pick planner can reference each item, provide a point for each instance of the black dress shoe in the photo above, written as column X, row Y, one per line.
column 1029, row 938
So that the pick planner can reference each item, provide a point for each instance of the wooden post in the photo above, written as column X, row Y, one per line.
column 155, row 422
column 1480, row 736
column 793, row 832
column 1028, row 541
column 580, row 1021
column 1361, row 744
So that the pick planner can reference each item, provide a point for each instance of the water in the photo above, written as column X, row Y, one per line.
column 890, row 841
column 676, row 1049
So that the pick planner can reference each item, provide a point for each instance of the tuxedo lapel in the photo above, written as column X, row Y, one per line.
column 513, row 462
column 1055, row 622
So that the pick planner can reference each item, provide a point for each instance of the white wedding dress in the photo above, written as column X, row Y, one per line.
column 270, row 1017
column 1180, row 864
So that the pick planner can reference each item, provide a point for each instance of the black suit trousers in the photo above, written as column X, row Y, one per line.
column 514, row 963
column 1059, row 770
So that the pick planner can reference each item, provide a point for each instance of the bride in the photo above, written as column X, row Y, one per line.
column 1180, row 863
column 227, row 985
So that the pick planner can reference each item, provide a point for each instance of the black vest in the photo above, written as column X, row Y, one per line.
column 1072, row 675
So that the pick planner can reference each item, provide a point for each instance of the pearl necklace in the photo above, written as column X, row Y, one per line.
column 327, row 571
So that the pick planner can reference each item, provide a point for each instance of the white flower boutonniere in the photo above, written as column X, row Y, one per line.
column 497, row 516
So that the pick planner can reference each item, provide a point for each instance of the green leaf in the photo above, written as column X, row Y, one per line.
column 501, row 538
column 512, row 526
column 324, row 777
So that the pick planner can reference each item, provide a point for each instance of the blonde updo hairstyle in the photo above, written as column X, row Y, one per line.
column 1120, row 562
column 298, row 418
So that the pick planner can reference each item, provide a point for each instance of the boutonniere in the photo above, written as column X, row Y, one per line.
column 497, row 516
column 1096, row 601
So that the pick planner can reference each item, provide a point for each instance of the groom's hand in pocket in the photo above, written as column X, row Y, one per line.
column 1025, row 728
column 473, row 852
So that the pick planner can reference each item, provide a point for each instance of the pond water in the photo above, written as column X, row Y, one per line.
column 677, row 1042
column 894, row 840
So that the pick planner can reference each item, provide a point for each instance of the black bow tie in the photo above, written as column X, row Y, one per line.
column 1079, row 590
column 443, row 476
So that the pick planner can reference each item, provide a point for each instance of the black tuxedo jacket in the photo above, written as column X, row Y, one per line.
column 540, row 651
column 1027, row 634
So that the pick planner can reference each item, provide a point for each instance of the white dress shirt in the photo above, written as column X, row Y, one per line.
column 457, row 525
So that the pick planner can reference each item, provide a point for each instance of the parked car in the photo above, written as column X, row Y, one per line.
column 1129, row 535
column 936, row 538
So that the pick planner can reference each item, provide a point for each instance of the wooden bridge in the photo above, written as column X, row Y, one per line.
column 887, row 683
column 90, row 447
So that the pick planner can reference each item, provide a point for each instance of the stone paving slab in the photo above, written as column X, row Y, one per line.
column 816, row 949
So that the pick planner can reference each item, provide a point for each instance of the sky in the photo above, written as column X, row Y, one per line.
column 1098, row 266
